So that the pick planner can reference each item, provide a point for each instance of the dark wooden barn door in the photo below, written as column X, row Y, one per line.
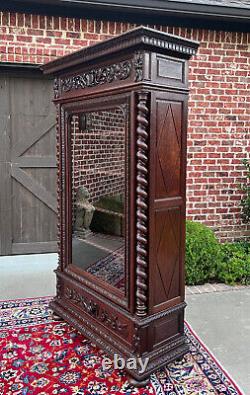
column 27, row 166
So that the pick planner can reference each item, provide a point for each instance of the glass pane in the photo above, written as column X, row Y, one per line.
column 98, row 186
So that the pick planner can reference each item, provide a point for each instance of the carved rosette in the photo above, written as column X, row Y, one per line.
column 142, row 204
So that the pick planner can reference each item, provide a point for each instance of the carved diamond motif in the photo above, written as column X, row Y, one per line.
column 167, row 254
column 168, row 153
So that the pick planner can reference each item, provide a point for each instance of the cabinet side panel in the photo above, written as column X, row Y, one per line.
column 168, row 208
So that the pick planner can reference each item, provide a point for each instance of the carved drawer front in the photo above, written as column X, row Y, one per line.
column 109, row 318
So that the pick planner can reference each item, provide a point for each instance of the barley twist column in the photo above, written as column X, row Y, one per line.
column 142, row 205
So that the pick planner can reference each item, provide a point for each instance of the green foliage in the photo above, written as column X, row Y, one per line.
column 245, row 202
column 203, row 254
column 207, row 260
column 235, row 264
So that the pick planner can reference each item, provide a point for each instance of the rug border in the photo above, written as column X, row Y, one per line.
column 215, row 359
column 35, row 297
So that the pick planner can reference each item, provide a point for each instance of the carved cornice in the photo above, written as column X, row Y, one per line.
column 142, row 204
column 173, row 44
column 92, row 308
column 141, row 36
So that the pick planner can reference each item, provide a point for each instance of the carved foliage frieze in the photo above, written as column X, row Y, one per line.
column 95, row 77
column 96, row 311
column 101, row 75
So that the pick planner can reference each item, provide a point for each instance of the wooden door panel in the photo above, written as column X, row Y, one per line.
column 168, row 150
column 32, row 171
column 45, row 141
column 167, row 265
column 30, row 213
column 32, row 135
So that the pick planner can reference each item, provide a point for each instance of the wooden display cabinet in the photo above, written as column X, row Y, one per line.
column 121, row 129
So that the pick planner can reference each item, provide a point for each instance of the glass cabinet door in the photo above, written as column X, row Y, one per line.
column 98, row 178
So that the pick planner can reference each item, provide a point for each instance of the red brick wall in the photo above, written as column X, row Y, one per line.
column 219, row 115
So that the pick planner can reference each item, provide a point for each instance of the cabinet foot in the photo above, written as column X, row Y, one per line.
column 139, row 383
column 56, row 317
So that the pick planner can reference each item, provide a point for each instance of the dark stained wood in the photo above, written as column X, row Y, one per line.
column 148, row 320
column 28, row 165
column 168, row 149
column 167, row 255
column 168, row 187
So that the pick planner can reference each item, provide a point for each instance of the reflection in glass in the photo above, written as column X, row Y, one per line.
column 98, row 186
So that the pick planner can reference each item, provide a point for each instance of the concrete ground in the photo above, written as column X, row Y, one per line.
column 27, row 276
column 221, row 319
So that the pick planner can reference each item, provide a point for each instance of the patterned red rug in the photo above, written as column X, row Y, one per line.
column 39, row 356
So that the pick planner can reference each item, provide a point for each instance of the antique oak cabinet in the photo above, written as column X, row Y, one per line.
column 121, row 129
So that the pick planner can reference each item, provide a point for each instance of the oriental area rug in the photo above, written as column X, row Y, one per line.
column 46, row 357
